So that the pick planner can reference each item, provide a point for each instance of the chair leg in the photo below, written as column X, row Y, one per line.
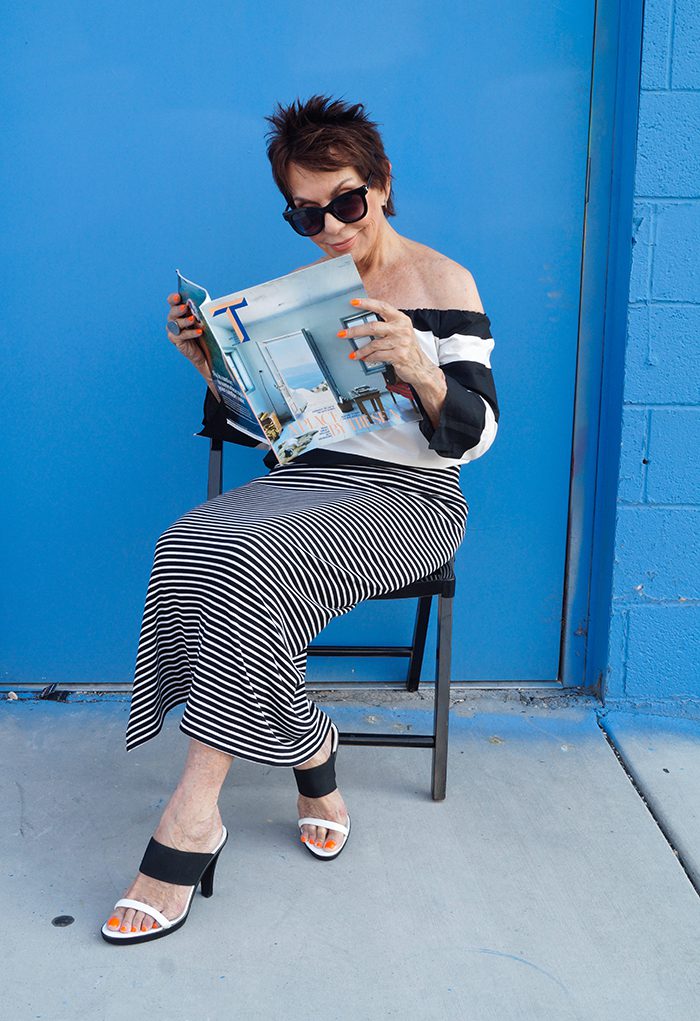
column 441, row 718
column 420, row 633
column 215, row 481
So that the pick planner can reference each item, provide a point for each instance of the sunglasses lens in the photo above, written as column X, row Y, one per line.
column 307, row 220
column 349, row 208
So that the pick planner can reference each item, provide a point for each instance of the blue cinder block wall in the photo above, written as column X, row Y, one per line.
column 654, row 650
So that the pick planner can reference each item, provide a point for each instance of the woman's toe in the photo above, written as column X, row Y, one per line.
column 114, row 921
column 127, row 920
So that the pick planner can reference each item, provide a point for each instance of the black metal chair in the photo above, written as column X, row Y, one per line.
column 440, row 583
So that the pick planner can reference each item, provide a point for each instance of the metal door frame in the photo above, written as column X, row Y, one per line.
column 605, row 276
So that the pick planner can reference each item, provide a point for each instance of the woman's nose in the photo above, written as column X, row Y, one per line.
column 331, row 226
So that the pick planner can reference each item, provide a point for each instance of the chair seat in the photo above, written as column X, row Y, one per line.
column 439, row 583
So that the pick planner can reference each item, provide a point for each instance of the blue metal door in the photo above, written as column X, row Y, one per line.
column 137, row 145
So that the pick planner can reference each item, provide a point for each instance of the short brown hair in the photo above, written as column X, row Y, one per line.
column 325, row 134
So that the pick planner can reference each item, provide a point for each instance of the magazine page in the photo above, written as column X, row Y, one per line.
column 280, row 340
column 238, row 411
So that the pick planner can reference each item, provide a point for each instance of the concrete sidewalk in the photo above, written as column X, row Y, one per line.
column 541, row 888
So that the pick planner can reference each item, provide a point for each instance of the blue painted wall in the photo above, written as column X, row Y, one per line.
column 654, row 650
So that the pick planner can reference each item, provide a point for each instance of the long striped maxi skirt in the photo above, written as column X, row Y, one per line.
column 242, row 583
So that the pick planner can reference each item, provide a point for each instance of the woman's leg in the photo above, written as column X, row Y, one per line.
column 190, row 822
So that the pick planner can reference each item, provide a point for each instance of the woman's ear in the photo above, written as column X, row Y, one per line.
column 388, row 185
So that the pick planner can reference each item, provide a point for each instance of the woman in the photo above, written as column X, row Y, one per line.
column 241, row 584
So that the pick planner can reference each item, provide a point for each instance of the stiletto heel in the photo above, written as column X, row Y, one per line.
column 185, row 868
column 207, row 880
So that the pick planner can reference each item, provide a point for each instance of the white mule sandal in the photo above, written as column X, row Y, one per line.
column 170, row 866
column 316, row 783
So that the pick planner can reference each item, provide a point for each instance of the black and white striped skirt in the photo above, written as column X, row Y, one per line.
column 242, row 583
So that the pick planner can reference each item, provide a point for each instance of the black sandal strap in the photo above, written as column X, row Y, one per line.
column 319, row 780
column 173, row 866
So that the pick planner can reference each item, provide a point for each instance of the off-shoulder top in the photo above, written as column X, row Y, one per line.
column 457, row 340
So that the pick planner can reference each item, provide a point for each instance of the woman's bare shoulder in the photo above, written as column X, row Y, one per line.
column 449, row 284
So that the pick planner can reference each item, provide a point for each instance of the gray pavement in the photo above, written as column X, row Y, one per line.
column 541, row 888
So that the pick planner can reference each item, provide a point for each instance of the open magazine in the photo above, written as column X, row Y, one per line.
column 280, row 368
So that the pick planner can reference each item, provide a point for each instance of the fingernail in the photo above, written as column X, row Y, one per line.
column 355, row 301
column 342, row 333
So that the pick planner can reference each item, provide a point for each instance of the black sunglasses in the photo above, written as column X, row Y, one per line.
column 348, row 208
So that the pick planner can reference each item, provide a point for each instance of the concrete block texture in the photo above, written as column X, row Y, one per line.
column 633, row 445
column 642, row 222
column 673, row 472
column 663, row 651
column 662, row 361
column 658, row 554
column 656, row 44
column 685, row 55
column 676, row 270
column 668, row 155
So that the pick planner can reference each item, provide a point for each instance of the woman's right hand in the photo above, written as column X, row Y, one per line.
column 187, row 340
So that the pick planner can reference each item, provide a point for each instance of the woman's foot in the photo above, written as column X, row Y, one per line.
column 186, row 834
column 331, row 807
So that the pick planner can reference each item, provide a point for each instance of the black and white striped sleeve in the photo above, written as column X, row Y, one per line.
column 469, row 416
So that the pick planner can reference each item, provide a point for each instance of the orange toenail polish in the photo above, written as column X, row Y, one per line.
column 303, row 837
column 124, row 928
column 318, row 843
column 134, row 929
column 113, row 920
column 330, row 844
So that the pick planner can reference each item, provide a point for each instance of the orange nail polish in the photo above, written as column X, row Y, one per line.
column 124, row 928
column 342, row 333
column 330, row 844
column 113, row 920
column 355, row 301
column 351, row 355
column 303, row 838
column 318, row 843
column 134, row 929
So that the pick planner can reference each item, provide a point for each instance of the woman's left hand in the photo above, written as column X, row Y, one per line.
column 394, row 341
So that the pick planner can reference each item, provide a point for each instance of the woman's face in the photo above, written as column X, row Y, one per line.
column 318, row 187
